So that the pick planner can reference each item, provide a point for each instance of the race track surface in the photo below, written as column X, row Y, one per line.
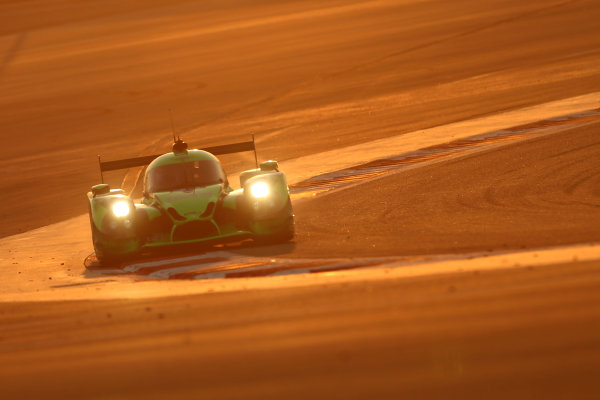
column 540, row 193
column 444, row 161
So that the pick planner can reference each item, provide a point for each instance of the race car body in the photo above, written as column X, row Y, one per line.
column 187, row 199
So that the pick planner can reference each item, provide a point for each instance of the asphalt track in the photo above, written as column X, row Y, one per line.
column 541, row 193
column 495, row 290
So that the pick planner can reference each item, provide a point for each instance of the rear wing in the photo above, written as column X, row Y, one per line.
column 145, row 160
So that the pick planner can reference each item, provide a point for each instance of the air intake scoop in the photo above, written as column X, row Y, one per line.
column 179, row 146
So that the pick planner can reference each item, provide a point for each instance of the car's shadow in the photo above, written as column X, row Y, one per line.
column 235, row 260
column 260, row 249
column 243, row 249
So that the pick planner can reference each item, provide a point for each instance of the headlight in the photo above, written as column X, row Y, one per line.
column 259, row 190
column 121, row 208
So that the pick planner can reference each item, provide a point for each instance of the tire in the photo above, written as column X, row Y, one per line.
column 283, row 236
column 105, row 259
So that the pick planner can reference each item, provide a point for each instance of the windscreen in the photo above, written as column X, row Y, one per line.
column 191, row 174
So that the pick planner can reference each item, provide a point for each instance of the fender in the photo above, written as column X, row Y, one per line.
column 273, row 202
column 112, row 232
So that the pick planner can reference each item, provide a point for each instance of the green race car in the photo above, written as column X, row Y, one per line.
column 187, row 199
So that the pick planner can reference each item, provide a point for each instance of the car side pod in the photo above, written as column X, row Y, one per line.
column 112, row 221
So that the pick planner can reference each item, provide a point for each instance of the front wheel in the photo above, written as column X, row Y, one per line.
column 110, row 251
column 283, row 234
column 116, row 258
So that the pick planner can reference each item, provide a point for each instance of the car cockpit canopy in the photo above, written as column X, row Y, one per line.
column 191, row 174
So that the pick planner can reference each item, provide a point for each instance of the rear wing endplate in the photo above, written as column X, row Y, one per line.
column 145, row 160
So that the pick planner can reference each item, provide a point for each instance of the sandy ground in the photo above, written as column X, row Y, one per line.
column 526, row 333
column 82, row 78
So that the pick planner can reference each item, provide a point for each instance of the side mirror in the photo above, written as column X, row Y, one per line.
column 100, row 189
column 270, row 165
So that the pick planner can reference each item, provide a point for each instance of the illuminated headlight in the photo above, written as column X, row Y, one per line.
column 259, row 190
column 121, row 208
